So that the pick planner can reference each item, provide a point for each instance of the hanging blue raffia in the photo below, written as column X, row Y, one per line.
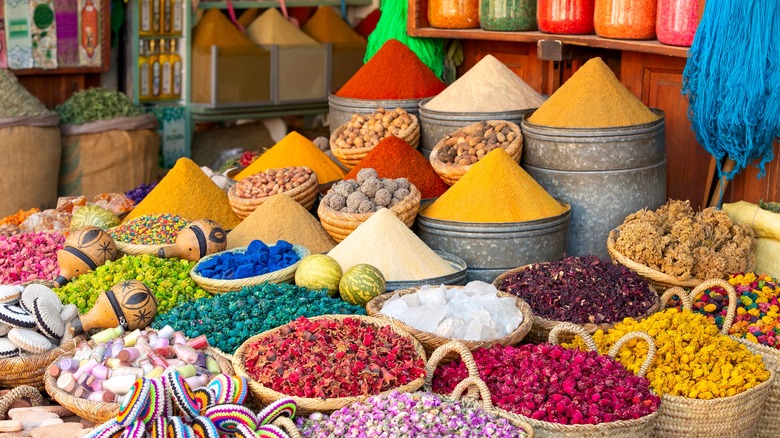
column 732, row 82
column 392, row 25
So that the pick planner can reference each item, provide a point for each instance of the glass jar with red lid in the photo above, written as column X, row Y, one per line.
column 625, row 19
column 453, row 14
column 566, row 17
column 677, row 21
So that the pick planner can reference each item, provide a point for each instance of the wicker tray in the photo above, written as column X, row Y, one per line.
column 100, row 412
column 305, row 194
column 340, row 225
column 431, row 342
column 30, row 369
column 352, row 156
column 221, row 286
column 451, row 173
column 540, row 332
column 265, row 395
column 134, row 250
column 658, row 279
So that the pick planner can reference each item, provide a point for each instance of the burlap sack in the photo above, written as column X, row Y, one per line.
column 109, row 156
column 768, row 257
column 30, row 150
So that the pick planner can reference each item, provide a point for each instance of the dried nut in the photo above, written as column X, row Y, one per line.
column 362, row 132
column 467, row 145
column 272, row 181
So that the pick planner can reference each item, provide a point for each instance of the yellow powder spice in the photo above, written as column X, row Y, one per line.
column 495, row 189
column 214, row 29
column 295, row 150
column 592, row 98
column 281, row 218
column 326, row 26
column 189, row 193
column 271, row 28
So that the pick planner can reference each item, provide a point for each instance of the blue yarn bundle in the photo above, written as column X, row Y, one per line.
column 258, row 259
column 732, row 82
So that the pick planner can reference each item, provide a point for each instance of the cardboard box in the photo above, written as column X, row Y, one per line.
column 302, row 73
column 231, row 76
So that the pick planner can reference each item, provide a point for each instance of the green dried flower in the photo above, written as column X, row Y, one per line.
column 15, row 100
column 96, row 104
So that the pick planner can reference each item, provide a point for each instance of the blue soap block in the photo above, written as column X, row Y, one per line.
column 245, row 271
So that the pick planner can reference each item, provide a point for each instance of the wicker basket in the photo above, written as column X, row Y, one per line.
column 305, row 194
column 340, row 225
column 431, row 342
column 658, row 279
column 220, row 286
column 265, row 395
column 451, row 173
column 352, row 156
column 30, row 370
column 540, row 332
column 136, row 250
column 100, row 412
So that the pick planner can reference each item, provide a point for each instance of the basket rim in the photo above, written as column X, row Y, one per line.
column 763, row 386
column 646, row 272
column 23, row 361
column 547, row 323
column 249, row 204
column 300, row 250
column 761, row 348
column 307, row 402
column 556, row 427
column 439, row 166
column 525, row 326
column 412, row 198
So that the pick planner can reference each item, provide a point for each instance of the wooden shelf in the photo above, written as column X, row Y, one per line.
column 275, row 4
column 201, row 114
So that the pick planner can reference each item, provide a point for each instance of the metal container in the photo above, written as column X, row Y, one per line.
column 341, row 109
column 457, row 278
column 435, row 125
column 605, row 174
column 490, row 249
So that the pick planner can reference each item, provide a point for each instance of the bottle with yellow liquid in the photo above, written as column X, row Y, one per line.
column 177, row 14
column 144, row 73
column 145, row 25
column 167, row 71
column 155, row 76
column 156, row 17
column 167, row 17
column 176, row 67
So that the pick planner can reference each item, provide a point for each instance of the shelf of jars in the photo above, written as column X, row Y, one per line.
column 419, row 26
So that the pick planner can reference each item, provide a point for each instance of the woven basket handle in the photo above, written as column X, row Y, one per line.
column 476, row 382
column 288, row 426
column 651, row 350
column 577, row 330
column 17, row 394
column 440, row 353
column 730, row 291
column 680, row 292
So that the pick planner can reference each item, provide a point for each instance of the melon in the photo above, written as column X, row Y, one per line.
column 93, row 216
column 361, row 283
column 319, row 271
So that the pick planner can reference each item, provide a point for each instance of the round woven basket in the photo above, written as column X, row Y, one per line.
column 540, row 332
column 305, row 194
column 265, row 395
column 100, row 412
column 29, row 369
column 658, row 279
column 221, row 286
column 431, row 342
column 135, row 250
column 451, row 173
column 340, row 225
column 350, row 157
column 640, row 427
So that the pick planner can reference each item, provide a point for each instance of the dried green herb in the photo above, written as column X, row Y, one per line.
column 774, row 207
column 96, row 104
column 15, row 100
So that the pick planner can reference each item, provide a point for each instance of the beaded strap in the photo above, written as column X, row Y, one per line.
column 440, row 353
column 484, row 391
column 680, row 292
column 577, row 330
column 651, row 349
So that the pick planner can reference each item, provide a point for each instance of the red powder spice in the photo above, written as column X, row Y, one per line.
column 394, row 72
column 395, row 158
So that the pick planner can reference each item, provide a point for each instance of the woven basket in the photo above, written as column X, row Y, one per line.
column 540, row 332
column 352, row 156
column 340, row 225
column 305, row 194
column 658, row 279
column 641, row 427
column 135, row 250
column 265, row 395
column 431, row 342
column 100, row 412
column 451, row 173
column 220, row 286
column 30, row 369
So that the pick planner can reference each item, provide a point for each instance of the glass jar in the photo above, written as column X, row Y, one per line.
column 625, row 19
column 453, row 14
column 566, row 17
column 677, row 21
column 508, row 15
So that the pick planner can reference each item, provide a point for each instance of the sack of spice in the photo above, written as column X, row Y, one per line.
column 109, row 144
column 30, row 149
column 764, row 218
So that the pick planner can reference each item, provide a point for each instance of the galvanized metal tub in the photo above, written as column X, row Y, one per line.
column 435, row 125
column 341, row 109
column 490, row 249
column 457, row 278
column 605, row 174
